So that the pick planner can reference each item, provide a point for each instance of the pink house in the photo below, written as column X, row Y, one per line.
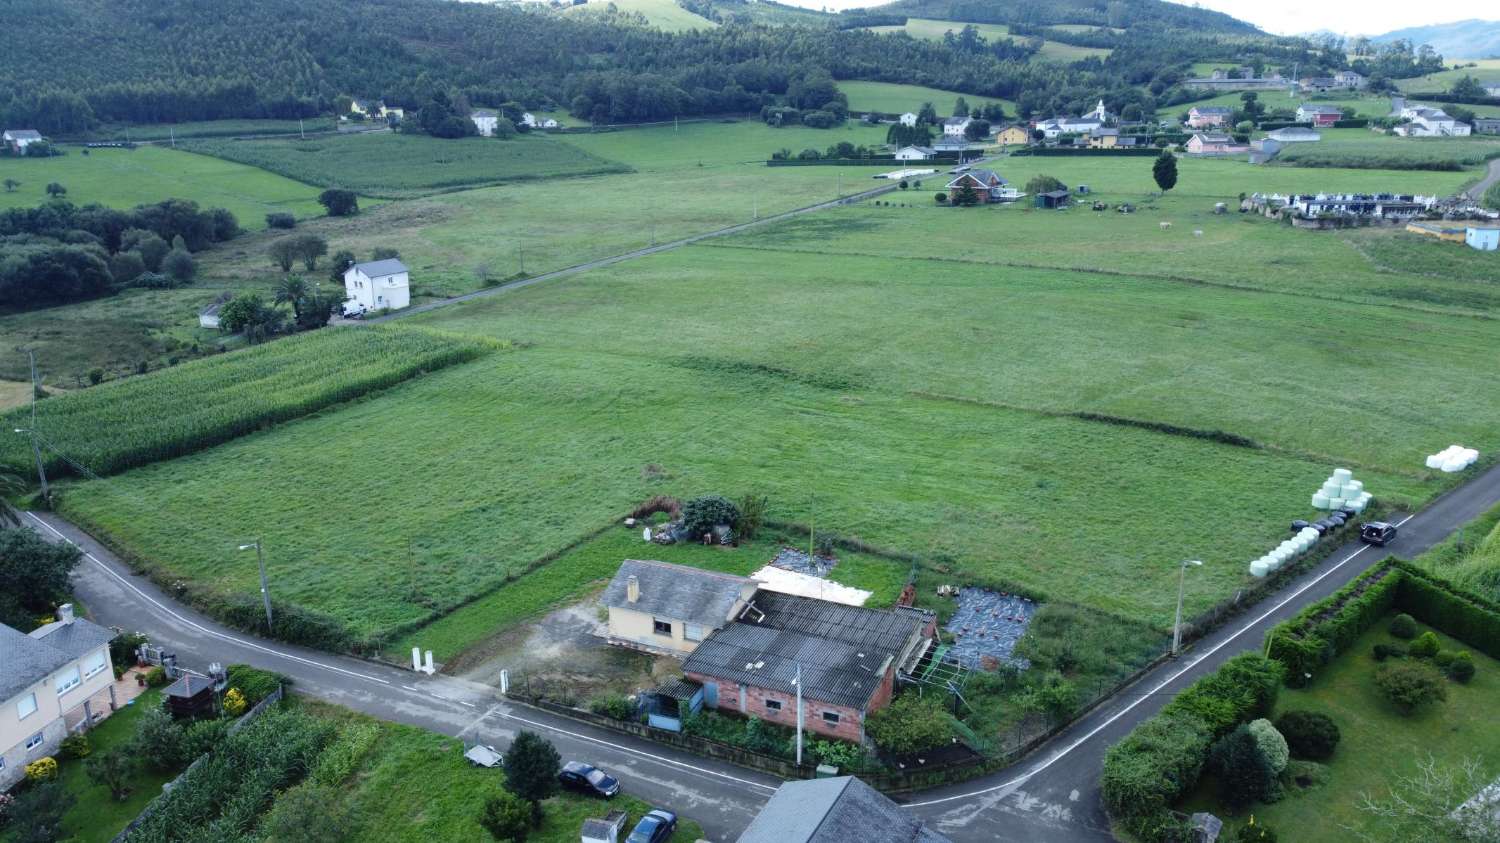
column 1214, row 143
column 1208, row 116
column 1319, row 115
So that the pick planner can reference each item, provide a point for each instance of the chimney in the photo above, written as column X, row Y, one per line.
column 65, row 613
column 632, row 588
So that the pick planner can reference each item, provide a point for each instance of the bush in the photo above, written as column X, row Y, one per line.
column 840, row 754
column 281, row 219
column 1244, row 773
column 1308, row 734
column 1244, row 688
column 1404, row 626
column 76, row 746
column 752, row 508
column 234, row 702
column 1410, row 685
column 1443, row 658
column 1254, row 832
column 506, row 816
column 1154, row 765
column 122, row 648
column 161, row 742
column 156, row 677
column 179, row 266
column 617, row 706
column 203, row 736
column 658, row 503
column 1461, row 669
column 43, row 769
column 1425, row 647
column 701, row 515
column 910, row 724
column 940, row 197
column 1381, row 652
column 339, row 203
column 254, row 683
column 1272, row 744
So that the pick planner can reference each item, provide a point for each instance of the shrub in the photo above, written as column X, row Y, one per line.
column 234, row 702
column 910, row 724
column 752, row 508
column 113, row 770
column 43, row 769
column 531, row 767
column 1155, row 764
column 1410, row 685
column 840, row 754
column 1443, row 658
column 764, row 737
column 658, row 503
column 156, row 677
column 1244, row 773
column 1426, row 646
column 254, row 683
column 203, row 736
column 941, row 197
column 179, row 266
column 76, row 746
column 1381, row 652
column 1254, row 832
column 1404, row 626
column 281, row 219
column 506, row 816
column 617, row 706
column 161, row 742
column 1309, row 734
column 1244, row 688
column 1461, row 669
column 701, row 515
column 1272, row 744
column 338, row 761
column 339, row 203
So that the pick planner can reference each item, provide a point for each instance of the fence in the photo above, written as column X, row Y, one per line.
column 249, row 716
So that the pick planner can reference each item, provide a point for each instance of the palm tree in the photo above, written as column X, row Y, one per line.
column 292, row 290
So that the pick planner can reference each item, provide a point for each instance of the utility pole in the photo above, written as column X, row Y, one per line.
column 1177, row 625
column 521, row 256
column 300, row 130
column 36, row 449
column 265, row 591
column 798, row 683
column 172, row 132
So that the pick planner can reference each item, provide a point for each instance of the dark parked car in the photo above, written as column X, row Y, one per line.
column 576, row 775
column 1377, row 532
column 655, row 827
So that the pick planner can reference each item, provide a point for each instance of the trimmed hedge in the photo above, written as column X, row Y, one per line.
column 1464, row 615
column 1329, row 626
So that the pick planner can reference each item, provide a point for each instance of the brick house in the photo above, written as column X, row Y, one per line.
column 849, row 658
column 989, row 184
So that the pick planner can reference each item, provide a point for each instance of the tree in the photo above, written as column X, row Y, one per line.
column 961, row 108
column 1164, row 170
column 11, row 185
column 247, row 313
column 977, row 130
column 310, row 247
column 927, row 115
column 1245, row 775
column 56, row 190
column 281, row 219
column 384, row 253
column 179, row 266
column 124, row 267
column 291, row 289
column 160, row 742
column 911, row 723
column 33, row 575
column 1309, row 734
column 339, row 203
column 1467, row 87
column 284, row 252
column 113, row 770
column 700, row 515
column 1425, row 806
column 342, row 260
column 37, row 814
column 505, row 129
column 531, row 767
column 1410, row 685
column 967, row 194
column 506, row 816
column 1043, row 184
column 148, row 244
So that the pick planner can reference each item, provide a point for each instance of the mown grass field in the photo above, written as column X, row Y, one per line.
column 1485, row 70
column 201, row 403
column 211, row 129
column 662, row 14
column 1378, row 745
column 892, row 98
column 1363, row 105
column 392, row 166
column 1365, row 149
column 124, row 178
column 934, row 30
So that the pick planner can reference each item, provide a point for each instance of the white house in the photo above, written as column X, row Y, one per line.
column 19, row 139
column 48, row 681
column 914, row 153
column 954, row 127
column 549, row 123
column 376, row 285
column 528, row 119
column 1483, row 239
column 1294, row 134
column 1349, row 79
column 1425, row 122
column 485, row 120
column 909, row 119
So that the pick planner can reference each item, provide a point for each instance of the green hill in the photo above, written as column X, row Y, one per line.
column 1120, row 14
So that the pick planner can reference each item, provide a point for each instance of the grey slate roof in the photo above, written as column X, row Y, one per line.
column 1212, row 109
column 839, row 810
column 75, row 639
column 1315, row 108
column 677, row 592
column 956, row 121
column 23, row 134
column 840, row 648
column 24, row 661
column 378, row 269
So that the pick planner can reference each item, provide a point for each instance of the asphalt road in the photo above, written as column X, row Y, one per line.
column 1052, row 796
column 1491, row 176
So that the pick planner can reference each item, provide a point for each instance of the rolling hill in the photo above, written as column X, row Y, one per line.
column 1121, row 14
column 1468, row 39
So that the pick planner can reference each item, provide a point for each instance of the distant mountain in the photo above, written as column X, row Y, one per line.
column 1465, row 39
column 1119, row 14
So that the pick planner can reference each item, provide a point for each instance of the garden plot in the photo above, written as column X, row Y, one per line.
column 792, row 559
column 987, row 625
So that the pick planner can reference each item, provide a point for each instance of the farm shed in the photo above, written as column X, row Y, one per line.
column 668, row 704
column 1052, row 199
column 190, row 696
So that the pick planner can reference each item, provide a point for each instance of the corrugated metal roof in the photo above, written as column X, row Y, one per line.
column 837, row 810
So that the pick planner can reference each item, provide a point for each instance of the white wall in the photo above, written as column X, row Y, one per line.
column 365, row 293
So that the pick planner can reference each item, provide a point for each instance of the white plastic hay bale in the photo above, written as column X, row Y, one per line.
column 1320, row 501
column 1435, row 460
column 1309, row 532
column 1453, row 465
column 1353, row 488
column 1358, row 505
column 1342, row 474
column 1364, row 499
column 1259, row 569
column 1335, row 503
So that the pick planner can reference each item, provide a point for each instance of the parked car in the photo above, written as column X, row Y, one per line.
column 576, row 775
column 655, row 827
column 1377, row 532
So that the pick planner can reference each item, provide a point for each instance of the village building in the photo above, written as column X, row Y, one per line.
column 990, row 186
column 18, row 139
column 1264, row 149
column 955, row 127
column 1427, row 122
column 1238, row 79
column 48, row 682
column 1486, row 125
column 1214, row 143
column 847, row 657
column 376, row 285
column 1483, row 238
column 1381, row 206
column 909, row 119
column 1104, row 137
column 1350, row 80
column 485, row 120
column 835, row 810
column 1015, row 135
column 1446, row 231
column 1208, row 116
column 1058, row 126
column 1319, row 115
column 1052, row 199
column 1294, row 134
column 659, row 607
column 915, row 153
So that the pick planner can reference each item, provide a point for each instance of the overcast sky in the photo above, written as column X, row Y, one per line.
column 1290, row 17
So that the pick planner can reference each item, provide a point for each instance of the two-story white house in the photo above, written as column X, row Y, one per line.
column 47, row 679
column 485, row 120
column 954, row 127
column 909, row 119
column 376, row 285
column 19, row 139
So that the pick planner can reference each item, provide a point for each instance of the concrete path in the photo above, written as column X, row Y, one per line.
column 632, row 255
column 1053, row 796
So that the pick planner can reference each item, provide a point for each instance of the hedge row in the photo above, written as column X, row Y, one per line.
column 1083, row 150
column 1464, row 615
column 1316, row 634
column 1161, row 759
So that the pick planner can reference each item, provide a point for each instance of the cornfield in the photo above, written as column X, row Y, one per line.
column 197, row 405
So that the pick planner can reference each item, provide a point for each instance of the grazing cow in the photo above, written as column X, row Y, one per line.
column 1165, row 225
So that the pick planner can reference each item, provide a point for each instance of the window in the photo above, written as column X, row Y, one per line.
column 831, row 718
column 692, row 632
column 26, row 707
column 772, row 705
column 68, row 681
column 34, row 741
column 94, row 663
column 661, row 627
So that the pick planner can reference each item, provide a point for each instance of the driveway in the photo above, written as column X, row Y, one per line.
column 1051, row 796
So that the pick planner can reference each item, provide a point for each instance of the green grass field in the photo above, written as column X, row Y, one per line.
column 124, row 178
column 662, row 14
column 1470, row 558
column 393, row 166
column 211, row 129
column 1363, row 148
column 1378, row 745
column 1486, row 70
column 891, row 98
column 1364, row 106
column 934, row 30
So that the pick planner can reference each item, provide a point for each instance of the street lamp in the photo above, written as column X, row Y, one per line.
column 265, row 591
column 1177, row 625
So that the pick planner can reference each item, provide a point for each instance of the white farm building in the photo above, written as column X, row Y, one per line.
column 376, row 285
